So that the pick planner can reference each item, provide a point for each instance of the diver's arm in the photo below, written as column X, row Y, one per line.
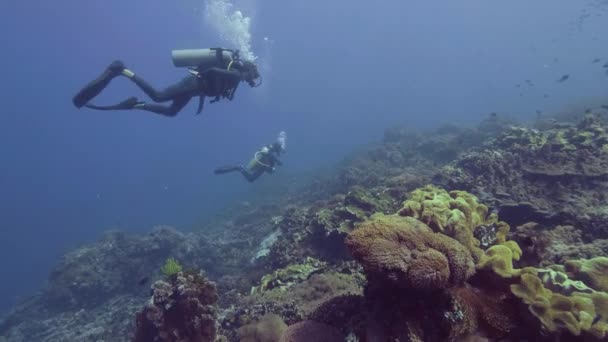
column 232, row 76
column 220, row 81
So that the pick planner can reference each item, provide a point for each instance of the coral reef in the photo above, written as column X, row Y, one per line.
column 419, row 214
column 556, row 176
column 182, row 310
column 545, row 246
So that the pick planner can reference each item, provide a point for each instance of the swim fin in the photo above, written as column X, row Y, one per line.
column 95, row 87
column 226, row 169
column 126, row 104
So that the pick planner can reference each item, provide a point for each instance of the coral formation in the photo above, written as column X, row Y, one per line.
column 557, row 176
column 311, row 331
column 593, row 272
column 405, row 252
column 576, row 312
column 431, row 262
column 182, row 310
column 288, row 276
column 457, row 214
column 311, row 292
column 171, row 268
column 269, row 328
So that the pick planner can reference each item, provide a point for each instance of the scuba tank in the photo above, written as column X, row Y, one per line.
column 199, row 60
column 202, row 59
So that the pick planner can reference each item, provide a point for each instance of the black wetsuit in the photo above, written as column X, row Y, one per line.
column 214, row 82
column 217, row 82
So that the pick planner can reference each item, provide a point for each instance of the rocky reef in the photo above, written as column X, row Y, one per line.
column 554, row 176
column 182, row 309
column 493, row 233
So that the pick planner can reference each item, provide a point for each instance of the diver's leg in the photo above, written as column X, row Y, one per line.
column 178, row 104
column 188, row 85
column 88, row 92
column 251, row 176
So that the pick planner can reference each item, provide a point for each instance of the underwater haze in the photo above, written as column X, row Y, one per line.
column 336, row 74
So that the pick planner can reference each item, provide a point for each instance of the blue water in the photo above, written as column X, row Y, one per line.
column 336, row 74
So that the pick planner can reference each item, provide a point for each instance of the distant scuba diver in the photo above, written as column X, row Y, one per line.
column 264, row 160
column 214, row 72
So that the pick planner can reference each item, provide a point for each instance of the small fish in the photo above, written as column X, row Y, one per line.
column 604, row 106
column 597, row 60
column 563, row 78
column 605, row 65
column 143, row 281
column 588, row 110
column 493, row 114
column 539, row 112
column 596, row 319
column 518, row 85
column 546, row 96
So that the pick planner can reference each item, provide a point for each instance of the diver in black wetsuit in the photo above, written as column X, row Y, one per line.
column 213, row 72
column 264, row 160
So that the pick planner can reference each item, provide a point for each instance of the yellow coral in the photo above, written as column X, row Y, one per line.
column 578, row 312
column 171, row 267
column 499, row 258
column 457, row 214
column 593, row 272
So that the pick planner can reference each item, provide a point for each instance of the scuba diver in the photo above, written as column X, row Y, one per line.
column 214, row 72
column 264, row 160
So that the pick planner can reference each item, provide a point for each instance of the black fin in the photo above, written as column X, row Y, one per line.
column 226, row 169
column 126, row 104
column 96, row 86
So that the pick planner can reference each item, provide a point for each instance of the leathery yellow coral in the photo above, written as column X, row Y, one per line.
column 594, row 271
column 457, row 214
column 578, row 312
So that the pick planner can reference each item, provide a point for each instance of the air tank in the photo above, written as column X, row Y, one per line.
column 202, row 58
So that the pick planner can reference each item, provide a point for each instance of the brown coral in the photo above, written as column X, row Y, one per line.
column 493, row 312
column 183, row 310
column 269, row 328
column 307, row 331
column 405, row 251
